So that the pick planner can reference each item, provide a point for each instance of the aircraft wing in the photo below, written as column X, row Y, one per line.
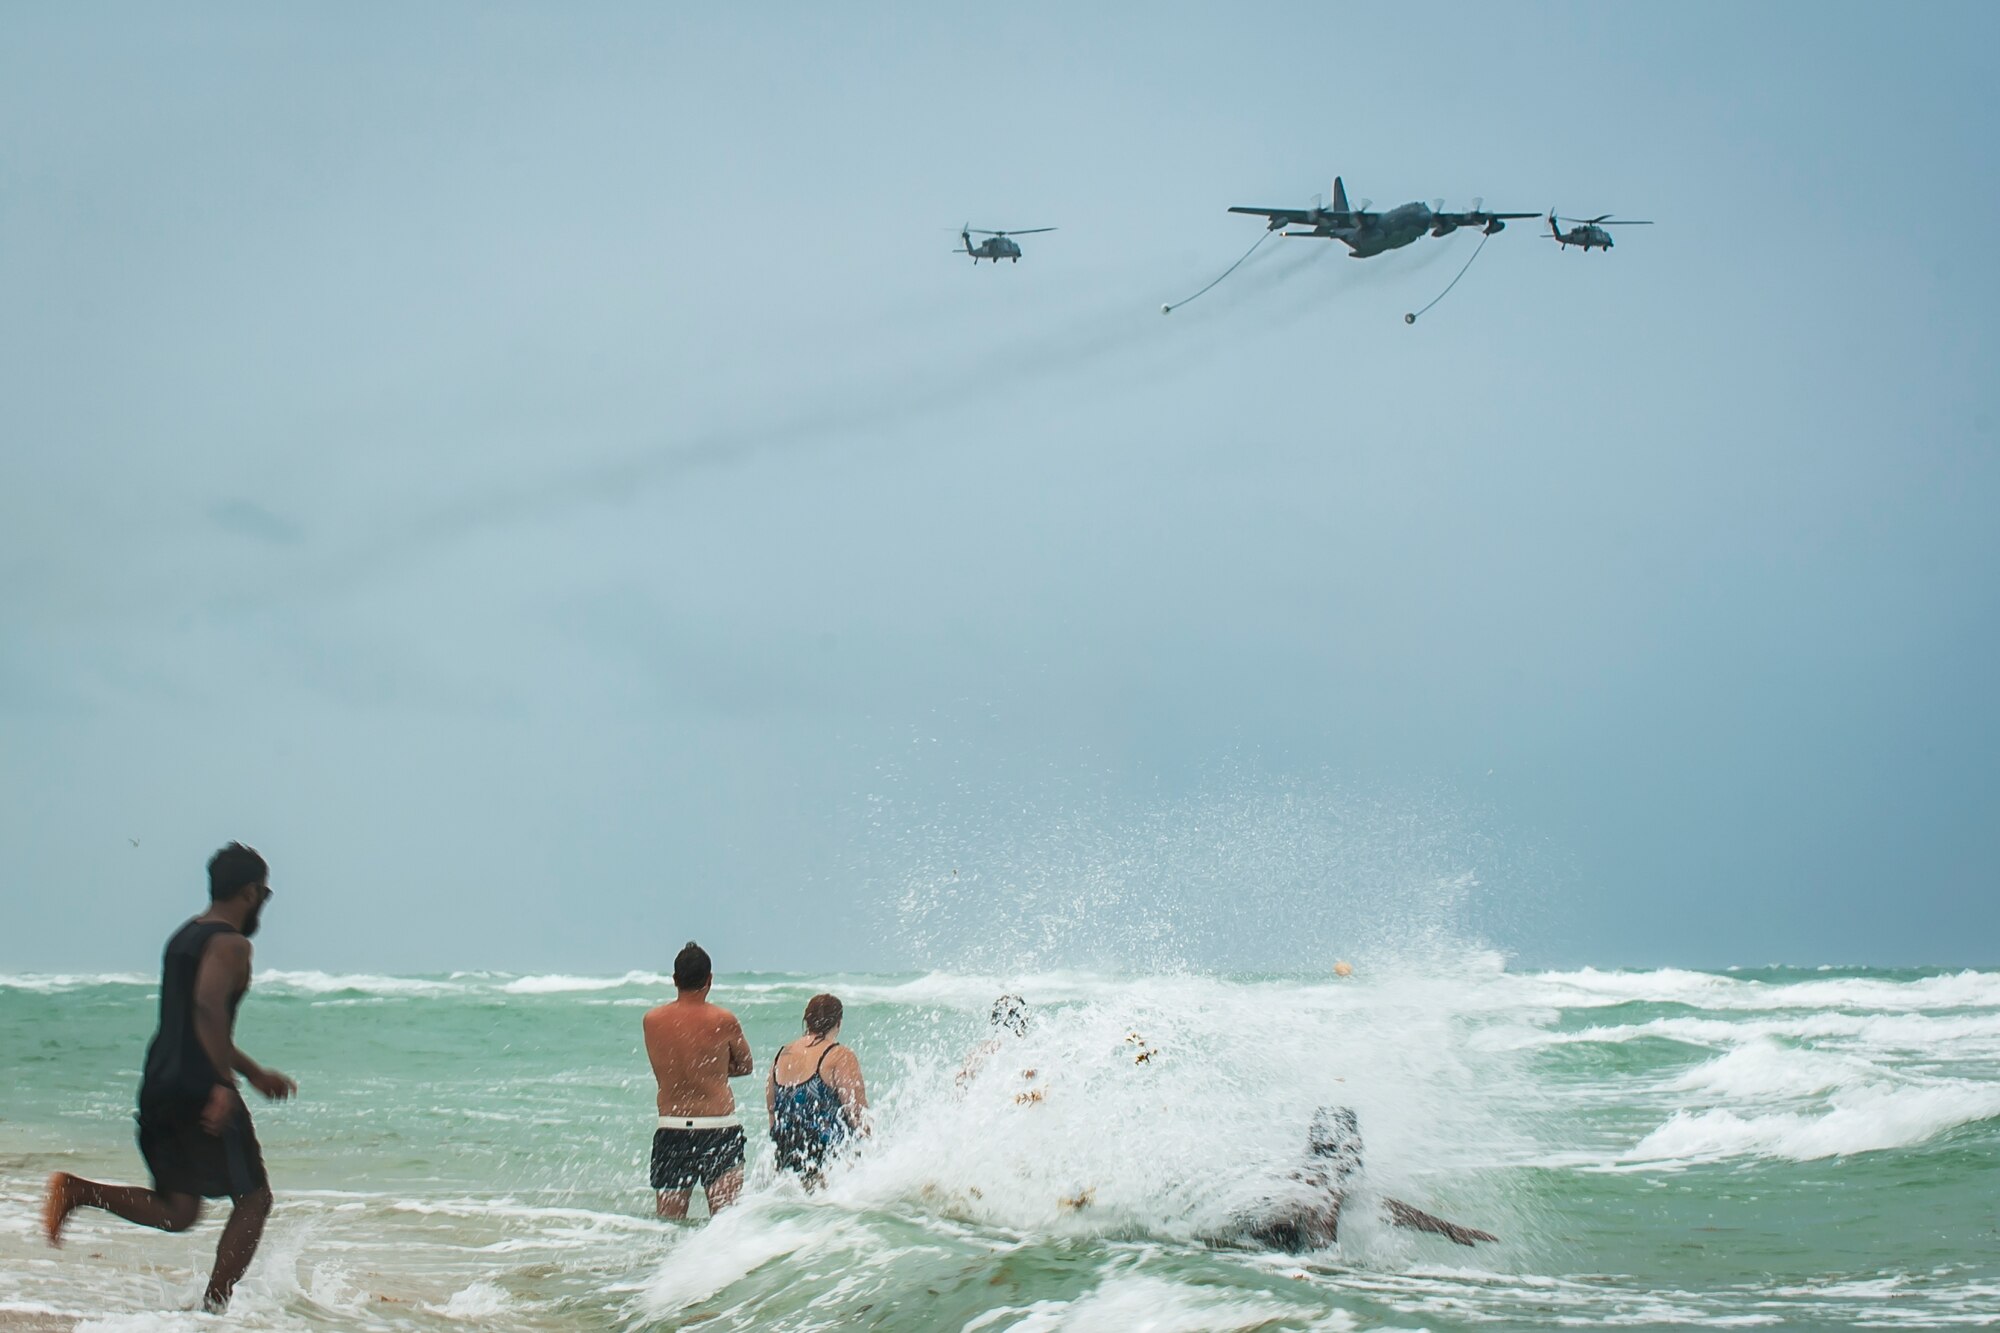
column 1319, row 219
column 1480, row 217
column 1280, row 217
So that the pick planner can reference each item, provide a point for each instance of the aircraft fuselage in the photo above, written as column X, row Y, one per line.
column 1384, row 231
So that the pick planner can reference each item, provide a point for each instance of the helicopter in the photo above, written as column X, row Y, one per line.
column 999, row 245
column 1589, row 232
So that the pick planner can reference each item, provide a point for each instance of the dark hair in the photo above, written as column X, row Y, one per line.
column 822, row 1015
column 1011, row 1012
column 234, row 869
column 1335, row 1140
column 1336, row 1133
column 692, row 969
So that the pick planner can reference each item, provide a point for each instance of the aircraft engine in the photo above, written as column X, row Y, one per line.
column 1493, row 225
column 1444, row 227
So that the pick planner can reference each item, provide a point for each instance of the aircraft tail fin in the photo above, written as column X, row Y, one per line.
column 1339, row 196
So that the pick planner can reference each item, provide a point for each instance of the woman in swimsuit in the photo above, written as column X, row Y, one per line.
column 815, row 1094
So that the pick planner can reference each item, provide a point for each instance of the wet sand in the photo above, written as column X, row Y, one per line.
column 22, row 1321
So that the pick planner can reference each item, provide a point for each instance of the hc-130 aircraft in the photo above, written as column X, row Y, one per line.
column 1588, row 232
column 997, row 246
column 1365, row 233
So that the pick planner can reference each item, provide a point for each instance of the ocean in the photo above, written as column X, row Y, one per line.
column 1770, row 1148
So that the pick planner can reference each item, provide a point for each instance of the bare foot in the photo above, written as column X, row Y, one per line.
column 57, row 1206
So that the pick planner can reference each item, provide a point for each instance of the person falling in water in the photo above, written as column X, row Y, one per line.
column 695, row 1048
column 194, row 1130
column 815, row 1096
column 1010, row 1021
column 1312, row 1221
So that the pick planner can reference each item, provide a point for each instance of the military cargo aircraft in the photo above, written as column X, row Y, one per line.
column 1365, row 233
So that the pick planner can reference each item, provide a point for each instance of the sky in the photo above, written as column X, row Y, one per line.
column 541, row 474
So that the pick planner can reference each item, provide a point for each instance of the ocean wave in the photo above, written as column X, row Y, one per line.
column 1481, row 975
column 1141, row 1301
column 481, row 1300
column 1959, row 1036
column 1765, row 1070
column 363, row 983
column 1589, row 988
column 52, row 982
column 556, row 983
column 1871, row 1118
column 734, row 1245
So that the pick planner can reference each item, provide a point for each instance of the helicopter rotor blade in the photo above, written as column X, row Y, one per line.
column 1626, row 222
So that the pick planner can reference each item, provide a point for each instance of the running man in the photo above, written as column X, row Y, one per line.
column 194, row 1130
column 696, row 1048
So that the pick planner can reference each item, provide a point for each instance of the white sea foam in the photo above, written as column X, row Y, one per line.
column 1763, row 1070
column 558, row 984
column 1869, row 1118
column 481, row 1300
column 730, row 1248
column 1129, row 1303
column 1090, row 1124
column 54, row 982
column 1590, row 988
column 1952, row 1036
column 364, row 983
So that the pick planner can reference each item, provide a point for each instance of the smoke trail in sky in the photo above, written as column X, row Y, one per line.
column 1115, row 324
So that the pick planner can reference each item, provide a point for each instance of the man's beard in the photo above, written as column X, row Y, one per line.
column 251, row 922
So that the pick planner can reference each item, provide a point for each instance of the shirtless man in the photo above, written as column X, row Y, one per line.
column 696, row 1048
column 194, row 1130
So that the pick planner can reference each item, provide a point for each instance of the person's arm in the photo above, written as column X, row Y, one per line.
column 275, row 1086
column 976, row 1061
column 771, row 1094
column 224, row 973
column 740, row 1063
column 1417, row 1220
column 852, row 1090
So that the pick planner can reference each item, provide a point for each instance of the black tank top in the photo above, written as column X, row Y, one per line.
column 178, row 1072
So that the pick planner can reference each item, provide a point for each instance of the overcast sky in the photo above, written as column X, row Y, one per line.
column 540, row 474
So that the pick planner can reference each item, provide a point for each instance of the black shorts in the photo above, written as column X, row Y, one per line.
column 186, row 1159
column 684, row 1158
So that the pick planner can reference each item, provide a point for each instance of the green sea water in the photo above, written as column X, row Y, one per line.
column 1780, row 1148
